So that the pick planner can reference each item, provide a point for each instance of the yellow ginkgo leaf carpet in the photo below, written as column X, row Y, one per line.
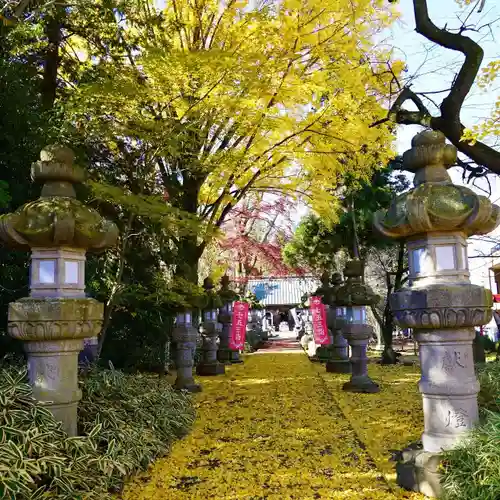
column 278, row 427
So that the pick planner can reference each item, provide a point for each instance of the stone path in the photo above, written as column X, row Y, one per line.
column 284, row 342
column 268, row 429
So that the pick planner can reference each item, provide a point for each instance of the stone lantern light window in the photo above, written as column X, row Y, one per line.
column 57, row 272
column 441, row 256
column 356, row 315
column 183, row 318
column 45, row 271
column 340, row 312
column 445, row 258
column 71, row 272
column 420, row 260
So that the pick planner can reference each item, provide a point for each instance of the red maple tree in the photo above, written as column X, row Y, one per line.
column 254, row 236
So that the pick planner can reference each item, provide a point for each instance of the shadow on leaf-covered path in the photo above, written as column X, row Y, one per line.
column 268, row 429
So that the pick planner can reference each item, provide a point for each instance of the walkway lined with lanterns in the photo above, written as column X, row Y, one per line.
column 280, row 427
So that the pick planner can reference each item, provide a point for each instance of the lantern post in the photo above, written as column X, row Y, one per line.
column 209, row 364
column 338, row 362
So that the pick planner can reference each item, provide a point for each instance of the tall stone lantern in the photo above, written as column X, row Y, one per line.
column 225, row 354
column 184, row 335
column 338, row 362
column 440, row 304
column 209, row 364
column 355, row 297
column 57, row 316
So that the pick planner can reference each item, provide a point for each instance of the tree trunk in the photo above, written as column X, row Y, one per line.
column 110, row 303
column 53, row 32
column 389, row 356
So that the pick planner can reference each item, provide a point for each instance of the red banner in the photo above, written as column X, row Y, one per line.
column 318, row 314
column 239, row 326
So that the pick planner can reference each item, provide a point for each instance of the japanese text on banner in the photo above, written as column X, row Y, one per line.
column 318, row 314
column 239, row 326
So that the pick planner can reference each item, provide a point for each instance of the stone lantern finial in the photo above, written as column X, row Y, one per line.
column 54, row 321
column 435, row 204
column 57, row 218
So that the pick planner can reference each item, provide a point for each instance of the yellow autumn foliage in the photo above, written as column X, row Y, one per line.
column 279, row 427
column 251, row 96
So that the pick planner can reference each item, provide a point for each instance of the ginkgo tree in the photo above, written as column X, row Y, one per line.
column 227, row 98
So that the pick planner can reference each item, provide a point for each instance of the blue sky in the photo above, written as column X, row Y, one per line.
column 434, row 65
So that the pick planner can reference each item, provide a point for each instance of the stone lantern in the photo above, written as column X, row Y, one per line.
column 209, row 364
column 57, row 316
column 355, row 296
column 338, row 362
column 228, row 296
column 184, row 335
column 440, row 304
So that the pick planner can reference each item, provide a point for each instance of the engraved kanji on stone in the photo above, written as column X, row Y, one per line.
column 457, row 418
column 450, row 361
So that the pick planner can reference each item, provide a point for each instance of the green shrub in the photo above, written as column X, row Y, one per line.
column 487, row 343
column 126, row 421
column 472, row 470
column 489, row 380
column 253, row 340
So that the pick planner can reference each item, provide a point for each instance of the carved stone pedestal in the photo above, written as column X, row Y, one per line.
column 184, row 336
column 418, row 470
column 209, row 364
column 338, row 361
column 358, row 336
column 53, row 331
column 448, row 384
column 224, row 353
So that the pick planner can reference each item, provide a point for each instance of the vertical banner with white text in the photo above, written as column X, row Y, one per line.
column 239, row 326
column 318, row 314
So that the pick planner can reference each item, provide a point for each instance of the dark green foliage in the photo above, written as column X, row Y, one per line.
column 126, row 422
column 472, row 470
column 487, row 343
column 489, row 379
column 315, row 244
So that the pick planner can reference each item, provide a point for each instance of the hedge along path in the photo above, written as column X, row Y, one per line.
column 268, row 429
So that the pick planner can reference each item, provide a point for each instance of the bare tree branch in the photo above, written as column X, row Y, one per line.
column 448, row 121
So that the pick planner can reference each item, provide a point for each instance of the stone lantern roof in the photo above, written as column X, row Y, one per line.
column 435, row 204
column 225, row 293
column 328, row 288
column 57, row 218
column 354, row 292
column 212, row 299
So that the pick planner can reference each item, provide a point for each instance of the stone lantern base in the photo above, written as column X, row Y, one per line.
column 338, row 365
column 358, row 336
column 235, row 357
column 184, row 335
column 418, row 470
column 53, row 331
column 213, row 368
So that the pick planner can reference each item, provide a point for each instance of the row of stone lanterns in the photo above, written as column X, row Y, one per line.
column 217, row 314
column 346, row 304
